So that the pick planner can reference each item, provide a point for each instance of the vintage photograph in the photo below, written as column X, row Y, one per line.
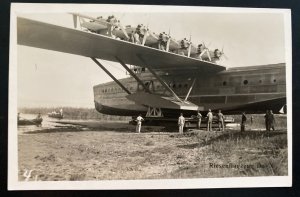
column 116, row 93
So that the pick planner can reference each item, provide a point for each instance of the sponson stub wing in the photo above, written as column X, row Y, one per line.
column 47, row 36
column 157, row 101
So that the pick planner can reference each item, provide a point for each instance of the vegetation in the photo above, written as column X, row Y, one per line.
column 75, row 113
column 231, row 154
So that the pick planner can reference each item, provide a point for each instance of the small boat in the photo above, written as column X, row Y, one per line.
column 36, row 121
column 56, row 115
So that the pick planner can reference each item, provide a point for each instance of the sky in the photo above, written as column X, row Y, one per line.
column 52, row 79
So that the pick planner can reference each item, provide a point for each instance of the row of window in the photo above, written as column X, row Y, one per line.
column 171, row 85
column 245, row 82
column 114, row 89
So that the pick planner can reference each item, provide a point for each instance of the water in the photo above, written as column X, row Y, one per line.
column 48, row 123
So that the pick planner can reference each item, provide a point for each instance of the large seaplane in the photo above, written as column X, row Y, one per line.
column 167, row 76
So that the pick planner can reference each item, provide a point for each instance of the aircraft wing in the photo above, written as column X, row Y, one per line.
column 47, row 36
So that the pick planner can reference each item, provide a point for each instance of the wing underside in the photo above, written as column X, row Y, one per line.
column 47, row 36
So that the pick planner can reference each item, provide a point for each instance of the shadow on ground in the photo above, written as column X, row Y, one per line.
column 95, row 126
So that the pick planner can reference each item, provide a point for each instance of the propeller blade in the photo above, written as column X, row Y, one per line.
column 168, row 44
column 202, row 53
column 145, row 38
column 189, row 50
column 208, row 54
column 75, row 21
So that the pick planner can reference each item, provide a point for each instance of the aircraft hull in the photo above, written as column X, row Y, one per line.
column 251, row 89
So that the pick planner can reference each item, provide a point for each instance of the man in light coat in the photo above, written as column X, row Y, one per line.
column 209, row 120
column 139, row 120
column 181, row 121
column 199, row 116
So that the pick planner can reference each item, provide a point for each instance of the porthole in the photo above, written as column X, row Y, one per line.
column 245, row 82
column 179, row 86
column 274, row 80
column 260, row 81
column 174, row 86
column 224, row 83
column 185, row 85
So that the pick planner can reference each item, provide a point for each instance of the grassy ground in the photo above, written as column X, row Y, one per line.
column 112, row 151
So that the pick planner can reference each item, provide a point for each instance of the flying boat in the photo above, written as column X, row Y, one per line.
column 166, row 83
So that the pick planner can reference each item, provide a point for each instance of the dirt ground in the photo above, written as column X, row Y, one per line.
column 116, row 152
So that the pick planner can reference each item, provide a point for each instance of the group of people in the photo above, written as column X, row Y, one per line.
column 269, row 121
column 220, row 118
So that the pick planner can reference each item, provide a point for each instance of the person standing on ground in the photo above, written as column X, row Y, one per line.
column 181, row 121
column 221, row 120
column 267, row 120
column 271, row 121
column 139, row 120
column 243, row 124
column 209, row 120
column 199, row 116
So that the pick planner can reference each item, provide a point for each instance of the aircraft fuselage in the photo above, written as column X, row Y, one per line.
column 252, row 89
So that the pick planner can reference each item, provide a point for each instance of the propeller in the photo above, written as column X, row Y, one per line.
column 111, row 22
column 220, row 53
column 169, row 40
column 202, row 49
column 146, row 34
column 223, row 54
column 123, row 30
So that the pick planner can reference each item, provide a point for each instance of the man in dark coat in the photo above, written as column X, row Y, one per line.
column 243, row 123
column 267, row 120
column 271, row 120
